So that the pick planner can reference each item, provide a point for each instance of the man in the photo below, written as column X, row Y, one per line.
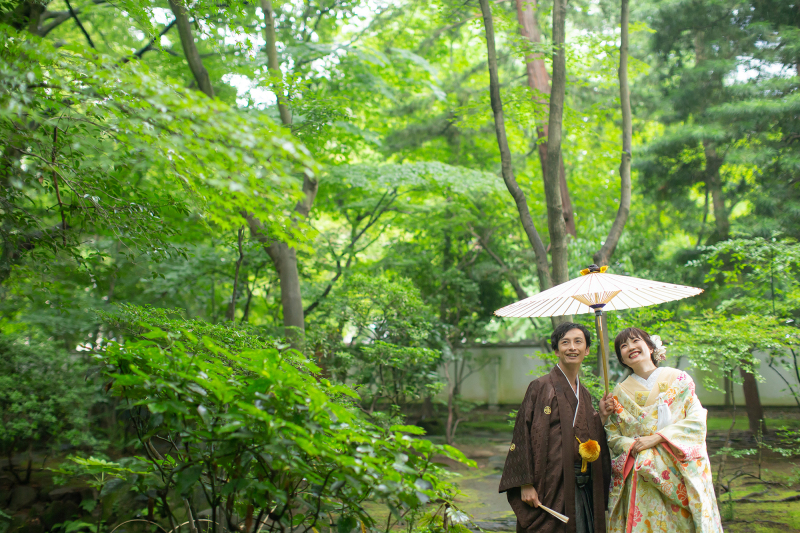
column 543, row 464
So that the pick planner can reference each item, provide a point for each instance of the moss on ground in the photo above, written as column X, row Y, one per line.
column 762, row 517
column 723, row 424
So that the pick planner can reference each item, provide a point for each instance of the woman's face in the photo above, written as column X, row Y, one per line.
column 635, row 352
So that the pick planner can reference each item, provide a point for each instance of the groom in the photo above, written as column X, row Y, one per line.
column 543, row 464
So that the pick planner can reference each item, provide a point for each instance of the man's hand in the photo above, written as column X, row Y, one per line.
column 529, row 495
column 645, row 443
column 606, row 406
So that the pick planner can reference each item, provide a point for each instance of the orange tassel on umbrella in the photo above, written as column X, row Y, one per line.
column 589, row 452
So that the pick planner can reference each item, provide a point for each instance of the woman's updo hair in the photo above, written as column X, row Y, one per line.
column 631, row 334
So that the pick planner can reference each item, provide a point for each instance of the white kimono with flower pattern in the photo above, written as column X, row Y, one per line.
column 667, row 488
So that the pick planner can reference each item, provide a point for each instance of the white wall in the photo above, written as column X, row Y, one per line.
column 514, row 366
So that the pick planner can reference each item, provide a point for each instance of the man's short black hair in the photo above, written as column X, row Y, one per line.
column 562, row 330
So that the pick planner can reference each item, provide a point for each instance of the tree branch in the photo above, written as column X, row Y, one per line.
column 521, row 293
column 190, row 48
column 374, row 216
column 58, row 193
column 273, row 63
column 505, row 153
column 78, row 22
column 149, row 46
column 231, row 313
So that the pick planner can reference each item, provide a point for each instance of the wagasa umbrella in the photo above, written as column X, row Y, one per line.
column 596, row 291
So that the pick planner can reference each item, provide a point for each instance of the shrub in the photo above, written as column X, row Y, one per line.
column 381, row 337
column 44, row 398
column 255, row 437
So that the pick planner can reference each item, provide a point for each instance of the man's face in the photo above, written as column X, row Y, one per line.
column 572, row 348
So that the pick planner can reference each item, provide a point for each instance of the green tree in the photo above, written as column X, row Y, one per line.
column 45, row 400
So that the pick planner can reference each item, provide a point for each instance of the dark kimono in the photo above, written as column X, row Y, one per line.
column 544, row 453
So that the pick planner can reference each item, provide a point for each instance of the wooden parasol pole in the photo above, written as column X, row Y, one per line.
column 598, row 322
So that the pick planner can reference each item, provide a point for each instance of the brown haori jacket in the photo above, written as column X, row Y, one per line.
column 543, row 453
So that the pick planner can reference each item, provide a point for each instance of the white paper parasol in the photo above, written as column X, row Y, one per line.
column 594, row 292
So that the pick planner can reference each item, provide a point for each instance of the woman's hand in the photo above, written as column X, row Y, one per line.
column 606, row 406
column 645, row 443
column 529, row 495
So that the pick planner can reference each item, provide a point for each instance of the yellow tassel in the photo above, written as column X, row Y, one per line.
column 586, row 270
column 589, row 452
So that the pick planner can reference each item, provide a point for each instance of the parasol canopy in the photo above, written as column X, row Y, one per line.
column 596, row 289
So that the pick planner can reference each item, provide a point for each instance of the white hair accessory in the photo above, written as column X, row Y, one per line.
column 660, row 353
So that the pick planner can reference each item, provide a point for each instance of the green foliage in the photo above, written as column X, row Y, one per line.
column 715, row 354
column 245, row 433
column 379, row 336
column 45, row 397
column 95, row 144
column 755, row 275
column 131, row 322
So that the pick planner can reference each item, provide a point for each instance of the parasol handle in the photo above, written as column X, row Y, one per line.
column 598, row 321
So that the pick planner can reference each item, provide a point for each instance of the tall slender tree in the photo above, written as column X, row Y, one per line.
column 539, row 82
column 552, row 189
column 507, row 168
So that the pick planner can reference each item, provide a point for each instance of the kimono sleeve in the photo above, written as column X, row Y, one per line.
column 687, row 434
column 519, row 466
column 620, row 440
column 619, row 443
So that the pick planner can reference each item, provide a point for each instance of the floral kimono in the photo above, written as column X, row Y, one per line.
column 666, row 488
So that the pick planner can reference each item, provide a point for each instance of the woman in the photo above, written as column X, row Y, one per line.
column 656, row 428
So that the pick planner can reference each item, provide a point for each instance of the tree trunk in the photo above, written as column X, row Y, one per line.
column 505, row 155
column 283, row 256
column 272, row 61
column 755, row 413
column 26, row 15
column 714, row 185
column 552, row 190
column 285, row 260
column 713, row 162
column 190, row 48
column 231, row 312
column 603, row 256
column 539, row 81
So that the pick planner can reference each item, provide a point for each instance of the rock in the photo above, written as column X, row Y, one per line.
column 59, row 512
column 74, row 494
column 21, row 497
column 32, row 525
column 495, row 525
column 497, row 462
column 481, row 454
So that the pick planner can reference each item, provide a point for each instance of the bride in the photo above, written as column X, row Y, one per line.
column 656, row 429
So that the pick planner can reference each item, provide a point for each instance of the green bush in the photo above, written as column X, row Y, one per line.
column 247, row 438
column 134, row 322
column 380, row 336
column 44, row 398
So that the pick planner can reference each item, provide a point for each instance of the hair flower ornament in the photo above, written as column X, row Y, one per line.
column 660, row 353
